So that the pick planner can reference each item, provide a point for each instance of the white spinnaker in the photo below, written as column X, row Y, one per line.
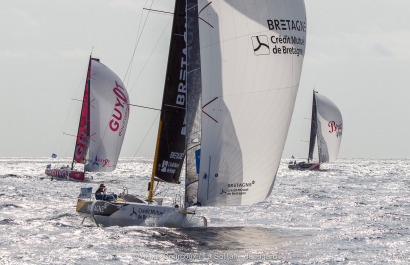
column 330, row 126
column 249, row 88
column 109, row 112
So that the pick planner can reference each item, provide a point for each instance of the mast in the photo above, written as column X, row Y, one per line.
column 170, row 148
column 84, row 123
column 194, row 83
column 313, row 128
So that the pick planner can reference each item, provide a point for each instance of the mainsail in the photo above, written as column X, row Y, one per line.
column 83, row 134
column 313, row 128
column 251, row 56
column 330, row 127
column 170, row 152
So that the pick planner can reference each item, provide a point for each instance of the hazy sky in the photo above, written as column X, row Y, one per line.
column 357, row 55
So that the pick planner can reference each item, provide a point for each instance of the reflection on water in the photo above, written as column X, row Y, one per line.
column 357, row 213
column 220, row 238
column 233, row 245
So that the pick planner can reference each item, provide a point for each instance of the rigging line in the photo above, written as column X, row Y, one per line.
column 152, row 52
column 69, row 134
column 143, row 140
column 139, row 106
column 139, row 34
column 158, row 11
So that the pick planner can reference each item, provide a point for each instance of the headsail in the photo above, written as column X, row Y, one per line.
column 170, row 152
column 330, row 127
column 251, row 60
column 109, row 112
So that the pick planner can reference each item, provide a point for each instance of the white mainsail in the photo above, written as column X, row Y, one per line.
column 251, row 56
column 109, row 112
column 329, row 129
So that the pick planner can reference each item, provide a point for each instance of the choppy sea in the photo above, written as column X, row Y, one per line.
column 357, row 212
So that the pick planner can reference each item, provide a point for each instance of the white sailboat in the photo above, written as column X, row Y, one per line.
column 327, row 127
column 102, row 125
column 238, row 77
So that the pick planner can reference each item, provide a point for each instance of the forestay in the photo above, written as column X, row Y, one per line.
column 330, row 126
column 251, row 56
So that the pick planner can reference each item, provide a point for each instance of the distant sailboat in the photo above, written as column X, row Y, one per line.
column 102, row 126
column 327, row 127
column 236, row 84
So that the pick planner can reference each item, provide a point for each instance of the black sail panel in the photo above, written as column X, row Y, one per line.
column 313, row 128
column 171, row 145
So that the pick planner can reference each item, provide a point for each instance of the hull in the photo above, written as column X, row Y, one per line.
column 117, row 213
column 65, row 174
column 304, row 166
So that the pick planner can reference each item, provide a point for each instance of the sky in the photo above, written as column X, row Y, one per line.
column 356, row 54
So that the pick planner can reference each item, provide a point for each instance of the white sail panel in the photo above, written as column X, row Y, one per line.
column 109, row 112
column 251, row 61
column 330, row 127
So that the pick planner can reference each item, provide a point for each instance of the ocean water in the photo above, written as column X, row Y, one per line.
column 357, row 212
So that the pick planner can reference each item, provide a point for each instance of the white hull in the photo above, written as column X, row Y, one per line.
column 108, row 213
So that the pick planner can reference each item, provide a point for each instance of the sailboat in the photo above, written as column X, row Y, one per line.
column 327, row 127
column 102, row 126
column 238, row 70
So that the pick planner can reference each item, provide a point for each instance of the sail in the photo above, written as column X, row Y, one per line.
column 251, row 61
column 172, row 129
column 83, row 134
column 193, row 139
column 330, row 127
column 313, row 128
column 109, row 112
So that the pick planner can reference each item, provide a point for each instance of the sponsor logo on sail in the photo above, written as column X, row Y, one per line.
column 278, row 44
column 164, row 166
column 286, row 24
column 334, row 127
column 238, row 188
column 168, row 167
column 120, row 111
column 182, row 76
column 261, row 45
column 81, row 144
column 101, row 162
column 176, row 155
column 286, row 39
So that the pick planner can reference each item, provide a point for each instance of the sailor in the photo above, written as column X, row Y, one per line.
column 99, row 194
